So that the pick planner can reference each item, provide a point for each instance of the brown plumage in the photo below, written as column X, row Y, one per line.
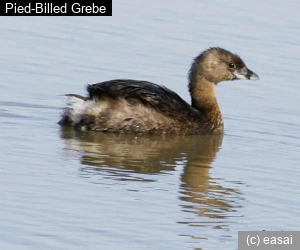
column 131, row 106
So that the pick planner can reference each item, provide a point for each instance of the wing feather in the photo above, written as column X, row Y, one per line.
column 149, row 94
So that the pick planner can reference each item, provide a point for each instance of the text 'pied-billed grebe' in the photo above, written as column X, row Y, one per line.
column 131, row 106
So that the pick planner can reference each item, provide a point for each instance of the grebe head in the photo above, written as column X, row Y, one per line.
column 216, row 65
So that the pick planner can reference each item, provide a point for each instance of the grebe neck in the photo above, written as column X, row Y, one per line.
column 204, row 99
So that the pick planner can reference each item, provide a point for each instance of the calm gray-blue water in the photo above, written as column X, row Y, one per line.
column 62, row 189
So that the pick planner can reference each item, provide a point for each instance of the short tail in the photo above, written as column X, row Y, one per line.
column 72, row 114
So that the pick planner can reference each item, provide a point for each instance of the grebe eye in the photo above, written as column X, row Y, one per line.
column 231, row 65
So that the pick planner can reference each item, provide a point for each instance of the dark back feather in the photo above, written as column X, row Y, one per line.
column 149, row 94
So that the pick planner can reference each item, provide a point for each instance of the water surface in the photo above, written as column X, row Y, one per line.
column 62, row 189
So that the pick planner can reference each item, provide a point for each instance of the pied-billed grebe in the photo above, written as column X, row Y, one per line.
column 130, row 106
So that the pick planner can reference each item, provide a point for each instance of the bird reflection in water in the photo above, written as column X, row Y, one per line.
column 129, row 157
